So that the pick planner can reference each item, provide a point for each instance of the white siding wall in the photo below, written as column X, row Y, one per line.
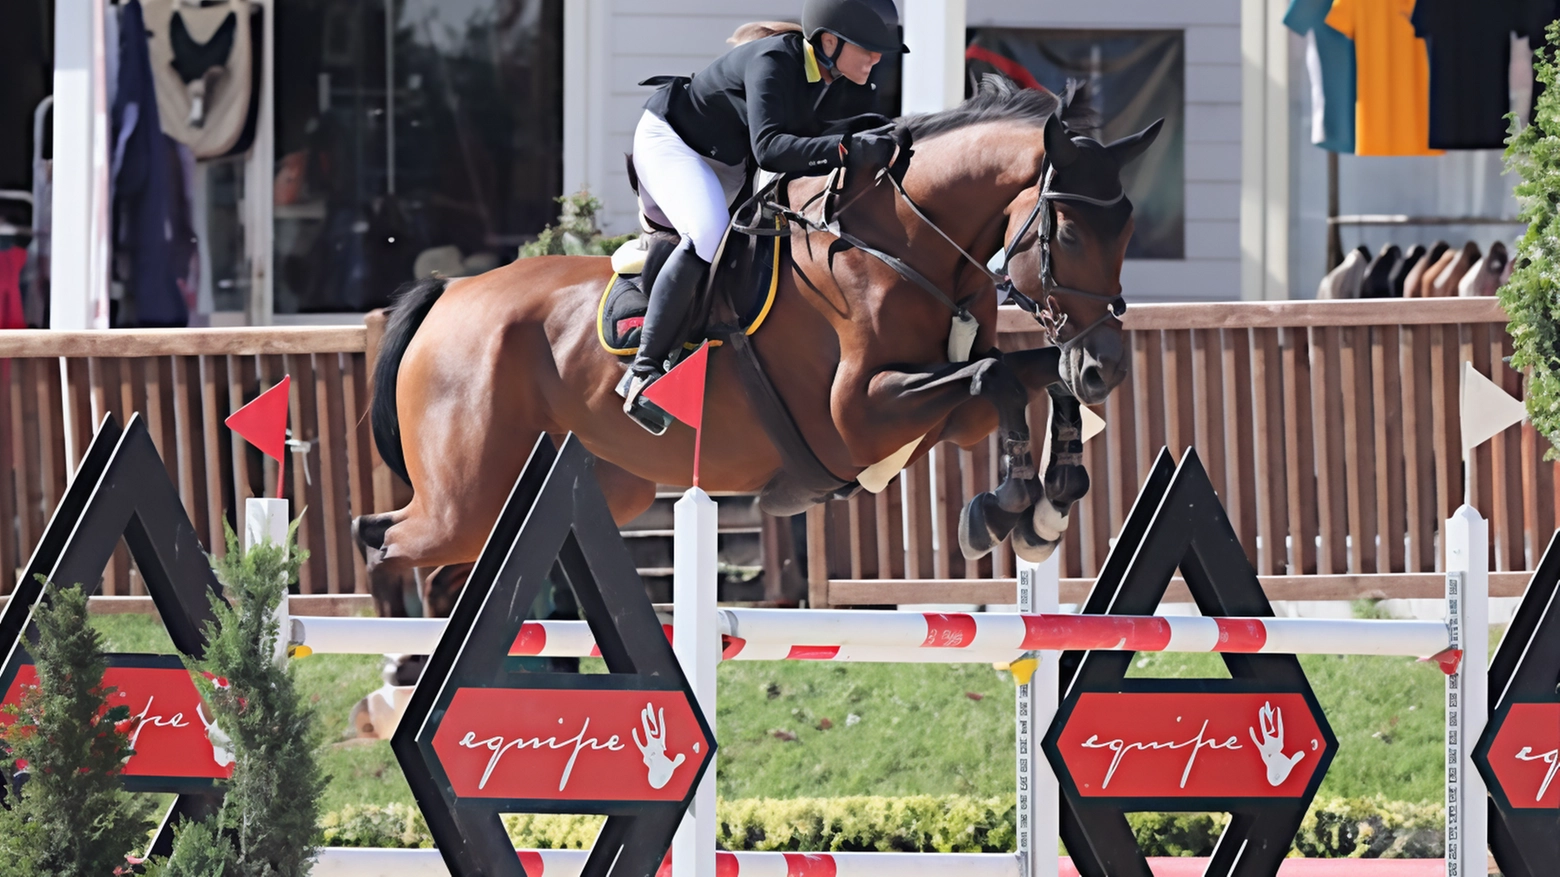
column 1211, row 269
column 643, row 40
column 633, row 42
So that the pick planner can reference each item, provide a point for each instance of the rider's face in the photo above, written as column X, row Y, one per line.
column 855, row 63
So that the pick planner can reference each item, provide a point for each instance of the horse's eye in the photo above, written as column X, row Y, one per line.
column 1067, row 235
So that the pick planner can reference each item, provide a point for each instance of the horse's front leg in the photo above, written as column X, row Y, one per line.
column 1066, row 481
column 901, row 402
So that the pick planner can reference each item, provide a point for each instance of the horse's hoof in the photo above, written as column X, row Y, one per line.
column 1049, row 521
column 974, row 539
column 983, row 525
column 1028, row 545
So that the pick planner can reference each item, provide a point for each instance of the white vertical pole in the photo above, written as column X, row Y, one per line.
column 1275, row 138
column 265, row 520
column 696, row 640
column 932, row 78
column 576, row 90
column 586, row 37
column 260, row 181
column 78, row 297
column 1264, row 188
column 1467, row 691
column 1039, row 817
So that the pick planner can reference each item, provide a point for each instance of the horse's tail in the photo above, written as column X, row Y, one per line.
column 411, row 306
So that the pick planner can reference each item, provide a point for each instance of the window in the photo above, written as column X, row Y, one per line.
column 1133, row 77
column 449, row 168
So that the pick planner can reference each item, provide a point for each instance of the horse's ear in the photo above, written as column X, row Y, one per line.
column 1058, row 143
column 1130, row 147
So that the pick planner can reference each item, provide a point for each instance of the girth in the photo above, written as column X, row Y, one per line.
column 796, row 455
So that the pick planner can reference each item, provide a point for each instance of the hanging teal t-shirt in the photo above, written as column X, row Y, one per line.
column 1330, row 59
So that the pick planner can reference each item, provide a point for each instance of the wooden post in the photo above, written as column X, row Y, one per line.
column 818, row 557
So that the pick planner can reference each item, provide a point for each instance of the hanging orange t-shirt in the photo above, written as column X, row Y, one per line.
column 1392, row 92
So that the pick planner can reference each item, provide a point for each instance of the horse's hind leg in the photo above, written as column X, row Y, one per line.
column 389, row 587
column 425, row 535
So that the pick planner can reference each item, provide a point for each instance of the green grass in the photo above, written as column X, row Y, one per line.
column 786, row 729
column 897, row 729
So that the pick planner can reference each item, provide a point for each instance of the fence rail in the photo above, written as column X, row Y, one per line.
column 1330, row 431
column 56, row 387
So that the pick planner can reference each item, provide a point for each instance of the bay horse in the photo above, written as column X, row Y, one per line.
column 471, row 371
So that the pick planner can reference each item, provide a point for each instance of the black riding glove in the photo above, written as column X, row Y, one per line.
column 869, row 150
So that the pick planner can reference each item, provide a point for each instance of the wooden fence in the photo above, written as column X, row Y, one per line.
column 1330, row 430
column 56, row 387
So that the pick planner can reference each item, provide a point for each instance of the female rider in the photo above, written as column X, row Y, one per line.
column 767, row 102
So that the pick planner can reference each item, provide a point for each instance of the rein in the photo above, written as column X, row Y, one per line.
column 1047, row 314
column 900, row 266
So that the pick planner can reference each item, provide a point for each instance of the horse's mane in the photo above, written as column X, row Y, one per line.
column 1000, row 99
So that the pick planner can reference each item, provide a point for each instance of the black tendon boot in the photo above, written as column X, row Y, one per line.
column 670, row 298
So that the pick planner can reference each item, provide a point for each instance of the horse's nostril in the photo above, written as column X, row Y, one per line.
column 1094, row 380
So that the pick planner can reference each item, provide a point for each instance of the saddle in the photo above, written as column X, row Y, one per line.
column 746, row 273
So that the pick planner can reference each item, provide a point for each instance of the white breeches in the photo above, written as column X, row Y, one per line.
column 682, row 189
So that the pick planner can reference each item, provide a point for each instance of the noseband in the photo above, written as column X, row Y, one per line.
column 1051, row 319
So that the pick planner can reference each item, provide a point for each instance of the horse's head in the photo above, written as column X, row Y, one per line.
column 1067, row 239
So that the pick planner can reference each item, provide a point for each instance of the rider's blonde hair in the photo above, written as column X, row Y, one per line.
column 757, row 30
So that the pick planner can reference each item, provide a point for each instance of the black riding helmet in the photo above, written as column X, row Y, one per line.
column 870, row 24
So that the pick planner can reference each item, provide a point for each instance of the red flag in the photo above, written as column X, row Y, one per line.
column 680, row 392
column 263, row 423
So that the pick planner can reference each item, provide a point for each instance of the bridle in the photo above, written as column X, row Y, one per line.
column 1051, row 319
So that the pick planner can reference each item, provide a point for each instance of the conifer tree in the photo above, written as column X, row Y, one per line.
column 1531, row 297
column 68, row 814
column 268, row 825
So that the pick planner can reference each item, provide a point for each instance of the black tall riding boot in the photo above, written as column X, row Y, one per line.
column 670, row 298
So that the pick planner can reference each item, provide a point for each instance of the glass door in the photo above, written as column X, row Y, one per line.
column 412, row 136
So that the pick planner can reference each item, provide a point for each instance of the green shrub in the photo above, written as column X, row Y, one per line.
column 397, row 826
column 269, row 824
column 72, row 818
column 1372, row 828
column 1529, row 297
column 1177, row 834
column 920, row 823
column 576, row 233
column 1335, row 828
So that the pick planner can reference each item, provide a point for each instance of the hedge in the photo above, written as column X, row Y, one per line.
column 1334, row 828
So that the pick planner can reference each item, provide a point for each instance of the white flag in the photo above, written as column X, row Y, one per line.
column 1093, row 424
column 1486, row 409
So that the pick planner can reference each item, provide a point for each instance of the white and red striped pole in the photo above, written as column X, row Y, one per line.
column 779, row 634
column 927, row 637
